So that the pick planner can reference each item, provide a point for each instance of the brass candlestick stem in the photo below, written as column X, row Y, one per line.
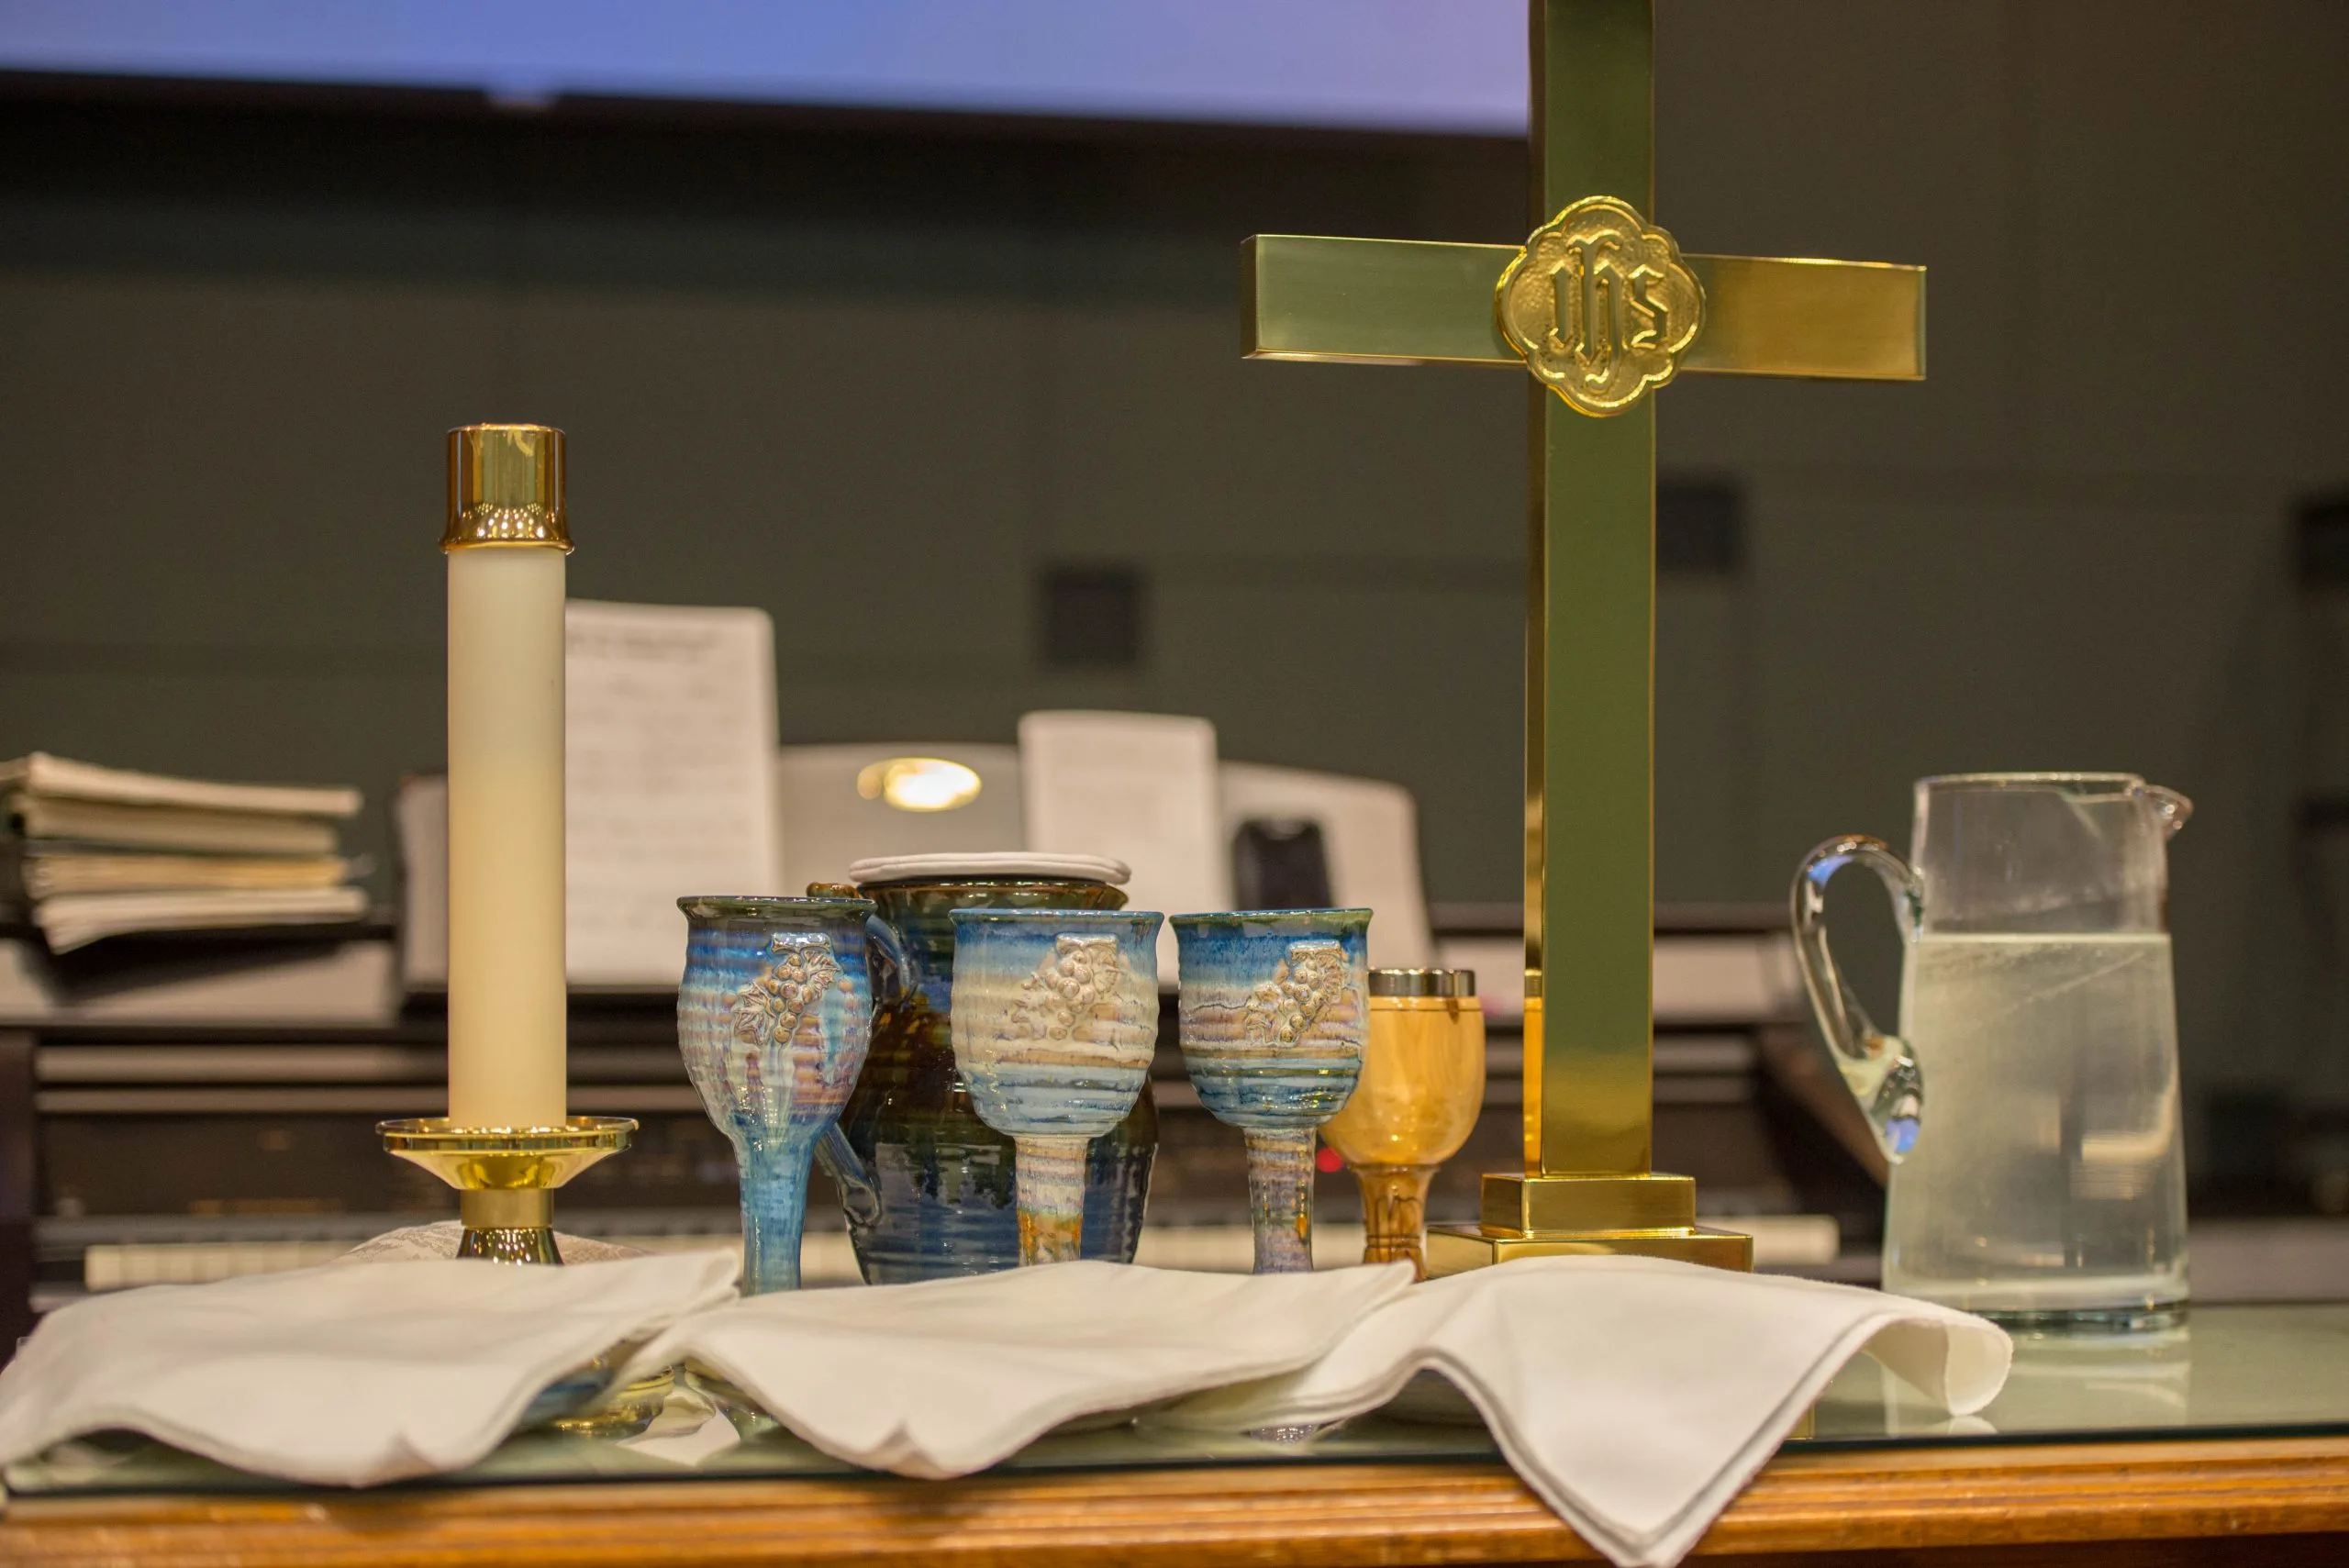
column 506, row 1176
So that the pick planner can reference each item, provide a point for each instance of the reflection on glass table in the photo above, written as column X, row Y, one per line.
column 2230, row 1372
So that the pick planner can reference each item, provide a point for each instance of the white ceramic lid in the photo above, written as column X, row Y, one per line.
column 1006, row 863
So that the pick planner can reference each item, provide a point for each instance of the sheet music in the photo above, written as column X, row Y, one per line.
column 670, row 778
column 1140, row 787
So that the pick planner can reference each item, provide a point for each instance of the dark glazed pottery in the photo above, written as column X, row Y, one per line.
column 927, row 1185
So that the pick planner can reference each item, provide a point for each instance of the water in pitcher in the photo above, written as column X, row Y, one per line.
column 2047, row 1176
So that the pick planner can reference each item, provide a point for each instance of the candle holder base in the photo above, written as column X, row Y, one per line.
column 506, row 1176
column 622, row 1410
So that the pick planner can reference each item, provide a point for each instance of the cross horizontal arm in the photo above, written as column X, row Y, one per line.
column 1411, row 301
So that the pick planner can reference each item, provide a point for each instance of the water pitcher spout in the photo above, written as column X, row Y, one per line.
column 2171, row 807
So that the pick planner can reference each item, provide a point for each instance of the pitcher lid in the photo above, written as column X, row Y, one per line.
column 1005, row 863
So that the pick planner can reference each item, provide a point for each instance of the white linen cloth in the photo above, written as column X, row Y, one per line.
column 343, row 1375
column 1636, row 1396
column 948, row 1376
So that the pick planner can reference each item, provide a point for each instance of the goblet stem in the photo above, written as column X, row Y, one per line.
column 1395, row 1214
column 1049, row 1181
column 1280, row 1200
column 775, row 1211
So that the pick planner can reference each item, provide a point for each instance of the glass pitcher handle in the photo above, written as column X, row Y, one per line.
column 1877, row 1067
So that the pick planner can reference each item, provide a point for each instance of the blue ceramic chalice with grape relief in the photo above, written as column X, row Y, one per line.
column 774, row 1019
column 1274, row 1011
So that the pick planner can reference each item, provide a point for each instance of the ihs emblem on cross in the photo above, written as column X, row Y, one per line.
column 1600, row 306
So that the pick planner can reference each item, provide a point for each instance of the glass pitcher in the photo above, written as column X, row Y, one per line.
column 2029, row 1105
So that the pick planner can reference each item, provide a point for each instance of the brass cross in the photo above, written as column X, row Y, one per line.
column 1601, row 306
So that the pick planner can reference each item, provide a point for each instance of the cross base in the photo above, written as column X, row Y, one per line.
column 1535, row 1216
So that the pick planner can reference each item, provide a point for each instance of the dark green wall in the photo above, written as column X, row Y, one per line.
column 874, row 380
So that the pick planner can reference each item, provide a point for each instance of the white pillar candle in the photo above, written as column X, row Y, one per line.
column 506, row 999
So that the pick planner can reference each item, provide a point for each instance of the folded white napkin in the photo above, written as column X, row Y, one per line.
column 349, row 1373
column 1636, row 1396
column 949, row 1376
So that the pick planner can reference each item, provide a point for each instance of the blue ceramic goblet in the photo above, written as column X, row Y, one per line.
column 1274, row 1010
column 773, row 1017
column 1054, row 1021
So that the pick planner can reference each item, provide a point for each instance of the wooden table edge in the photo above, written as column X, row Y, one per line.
column 1823, row 1502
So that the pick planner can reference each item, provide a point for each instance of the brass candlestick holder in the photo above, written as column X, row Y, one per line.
column 506, row 1176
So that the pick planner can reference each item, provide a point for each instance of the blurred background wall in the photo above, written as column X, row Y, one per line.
column 893, row 380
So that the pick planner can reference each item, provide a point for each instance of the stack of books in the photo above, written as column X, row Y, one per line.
column 90, row 852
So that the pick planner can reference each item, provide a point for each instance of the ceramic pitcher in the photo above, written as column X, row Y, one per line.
column 2028, row 1102
column 929, row 1188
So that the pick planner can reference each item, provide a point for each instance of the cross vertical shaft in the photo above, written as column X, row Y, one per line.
column 1589, row 638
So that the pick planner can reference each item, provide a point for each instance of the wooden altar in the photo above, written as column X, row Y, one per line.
column 2272, row 1501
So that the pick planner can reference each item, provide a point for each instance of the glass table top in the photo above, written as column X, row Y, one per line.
column 2264, row 1371
column 2247, row 1371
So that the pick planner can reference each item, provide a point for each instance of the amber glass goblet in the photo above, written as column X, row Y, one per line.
column 1422, row 1083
